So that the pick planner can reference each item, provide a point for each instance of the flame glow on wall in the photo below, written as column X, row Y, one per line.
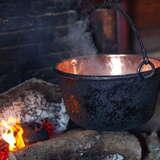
column 12, row 133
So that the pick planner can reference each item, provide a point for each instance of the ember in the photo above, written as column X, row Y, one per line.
column 12, row 133
column 4, row 150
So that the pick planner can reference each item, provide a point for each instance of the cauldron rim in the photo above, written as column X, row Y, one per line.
column 102, row 77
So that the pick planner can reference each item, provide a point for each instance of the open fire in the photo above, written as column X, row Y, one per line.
column 12, row 133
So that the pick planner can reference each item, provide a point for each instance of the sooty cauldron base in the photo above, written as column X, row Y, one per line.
column 105, row 92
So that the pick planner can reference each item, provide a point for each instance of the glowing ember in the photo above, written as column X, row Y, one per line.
column 12, row 134
column 116, row 66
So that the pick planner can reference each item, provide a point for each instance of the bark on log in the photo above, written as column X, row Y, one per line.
column 71, row 143
column 84, row 145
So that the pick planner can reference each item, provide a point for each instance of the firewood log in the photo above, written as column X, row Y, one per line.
column 62, row 147
column 84, row 145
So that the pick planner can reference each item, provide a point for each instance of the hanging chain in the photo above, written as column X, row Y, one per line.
column 115, row 4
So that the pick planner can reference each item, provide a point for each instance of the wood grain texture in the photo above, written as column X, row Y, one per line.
column 15, row 8
column 47, row 19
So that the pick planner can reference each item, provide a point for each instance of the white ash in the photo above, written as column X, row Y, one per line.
column 115, row 156
column 102, row 156
column 33, row 106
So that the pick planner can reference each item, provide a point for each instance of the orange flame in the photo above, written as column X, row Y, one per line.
column 13, row 134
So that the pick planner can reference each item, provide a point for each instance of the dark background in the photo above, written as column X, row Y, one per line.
column 34, row 34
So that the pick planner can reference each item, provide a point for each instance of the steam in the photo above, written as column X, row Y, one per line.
column 78, row 40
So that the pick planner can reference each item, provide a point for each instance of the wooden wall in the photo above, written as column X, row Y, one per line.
column 30, row 33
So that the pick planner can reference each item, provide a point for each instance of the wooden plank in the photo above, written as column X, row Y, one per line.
column 43, row 20
column 39, row 6
column 33, row 35
column 12, row 8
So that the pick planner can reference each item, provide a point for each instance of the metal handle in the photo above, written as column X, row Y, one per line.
column 115, row 4
column 150, row 74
